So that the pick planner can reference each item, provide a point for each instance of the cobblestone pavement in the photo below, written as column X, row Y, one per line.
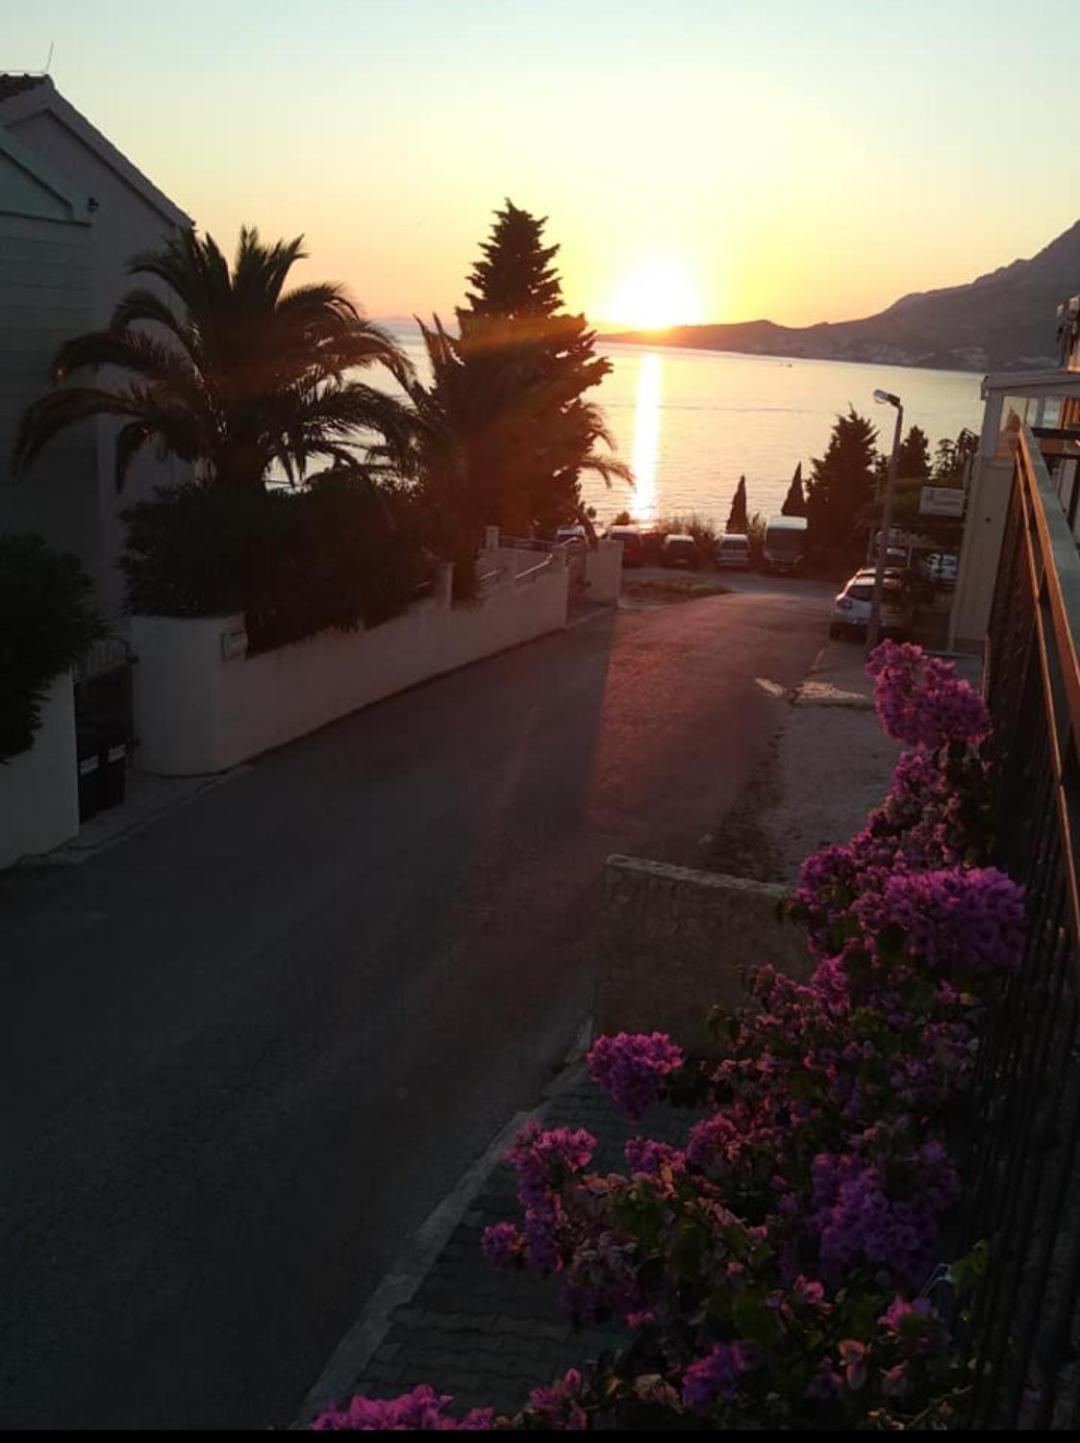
column 488, row 1336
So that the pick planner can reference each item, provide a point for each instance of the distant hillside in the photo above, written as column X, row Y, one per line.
column 1002, row 321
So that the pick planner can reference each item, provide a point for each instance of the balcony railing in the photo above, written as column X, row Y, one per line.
column 1026, row 1164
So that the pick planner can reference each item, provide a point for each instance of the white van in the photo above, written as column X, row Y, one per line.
column 733, row 549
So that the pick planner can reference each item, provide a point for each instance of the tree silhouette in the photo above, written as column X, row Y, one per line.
column 913, row 462
column 841, row 485
column 506, row 396
column 236, row 372
column 795, row 500
column 738, row 520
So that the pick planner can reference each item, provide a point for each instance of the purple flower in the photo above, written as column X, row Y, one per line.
column 921, row 701
column 502, row 1243
column 717, row 1375
column 632, row 1067
column 421, row 1410
column 643, row 1155
column 559, row 1405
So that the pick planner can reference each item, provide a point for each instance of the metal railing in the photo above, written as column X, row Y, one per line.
column 1025, row 1165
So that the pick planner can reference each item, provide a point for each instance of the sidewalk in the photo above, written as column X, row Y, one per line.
column 483, row 1335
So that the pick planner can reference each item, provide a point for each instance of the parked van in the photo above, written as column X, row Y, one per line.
column 733, row 549
column 785, row 544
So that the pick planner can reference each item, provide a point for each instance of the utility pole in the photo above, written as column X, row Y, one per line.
column 873, row 629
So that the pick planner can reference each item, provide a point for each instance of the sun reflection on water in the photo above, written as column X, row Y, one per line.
column 646, row 437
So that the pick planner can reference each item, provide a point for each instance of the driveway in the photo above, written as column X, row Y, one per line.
column 249, row 1048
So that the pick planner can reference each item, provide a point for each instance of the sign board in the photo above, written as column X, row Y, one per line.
column 941, row 501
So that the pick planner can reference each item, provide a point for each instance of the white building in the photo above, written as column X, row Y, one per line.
column 1049, row 403
column 73, row 210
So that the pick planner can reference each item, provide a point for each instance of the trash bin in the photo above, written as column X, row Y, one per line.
column 88, row 755
column 112, row 763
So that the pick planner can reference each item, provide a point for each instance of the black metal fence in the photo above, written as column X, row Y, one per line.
column 1025, row 1201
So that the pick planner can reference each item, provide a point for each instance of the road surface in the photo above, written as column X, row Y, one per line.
column 249, row 1048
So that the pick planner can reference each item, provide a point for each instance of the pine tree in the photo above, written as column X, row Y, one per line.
column 515, row 278
column 738, row 519
column 841, row 485
column 913, row 462
column 795, row 500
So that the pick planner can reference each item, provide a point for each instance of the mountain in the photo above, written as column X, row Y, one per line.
column 1003, row 321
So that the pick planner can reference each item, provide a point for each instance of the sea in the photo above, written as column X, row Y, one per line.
column 692, row 422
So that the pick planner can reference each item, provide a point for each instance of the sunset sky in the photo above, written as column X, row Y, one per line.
column 698, row 159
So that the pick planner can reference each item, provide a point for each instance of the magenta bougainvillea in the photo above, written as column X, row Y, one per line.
column 780, row 1268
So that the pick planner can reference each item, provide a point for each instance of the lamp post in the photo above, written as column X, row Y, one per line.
column 873, row 629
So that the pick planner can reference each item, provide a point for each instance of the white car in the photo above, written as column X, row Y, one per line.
column 851, row 609
column 574, row 538
column 733, row 550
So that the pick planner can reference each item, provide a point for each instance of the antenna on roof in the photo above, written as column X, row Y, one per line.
column 48, row 62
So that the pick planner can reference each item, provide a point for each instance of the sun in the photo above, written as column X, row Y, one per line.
column 655, row 296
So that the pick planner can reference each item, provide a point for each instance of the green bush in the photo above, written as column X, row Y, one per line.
column 337, row 554
column 47, row 621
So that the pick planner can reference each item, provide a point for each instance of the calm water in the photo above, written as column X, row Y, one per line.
column 690, row 422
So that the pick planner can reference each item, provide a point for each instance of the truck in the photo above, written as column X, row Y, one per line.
column 785, row 544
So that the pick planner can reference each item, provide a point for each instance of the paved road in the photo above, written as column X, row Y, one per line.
column 248, row 1049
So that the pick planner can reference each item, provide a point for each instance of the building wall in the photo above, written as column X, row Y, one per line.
column 123, row 222
column 46, row 281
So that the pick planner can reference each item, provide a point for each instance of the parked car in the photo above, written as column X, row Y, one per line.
column 851, row 609
column 633, row 550
column 733, row 549
column 943, row 567
column 903, row 576
column 680, row 550
column 576, row 538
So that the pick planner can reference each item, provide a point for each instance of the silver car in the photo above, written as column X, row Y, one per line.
column 851, row 609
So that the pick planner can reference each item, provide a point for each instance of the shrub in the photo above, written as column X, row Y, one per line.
column 337, row 554
column 46, row 622
column 778, row 1270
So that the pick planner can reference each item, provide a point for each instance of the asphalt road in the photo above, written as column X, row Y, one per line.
column 248, row 1049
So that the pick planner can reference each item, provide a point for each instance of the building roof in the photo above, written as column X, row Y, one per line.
column 22, row 96
column 15, row 84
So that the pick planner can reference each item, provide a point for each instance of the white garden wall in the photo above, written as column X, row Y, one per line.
column 39, row 788
column 603, row 572
column 202, row 704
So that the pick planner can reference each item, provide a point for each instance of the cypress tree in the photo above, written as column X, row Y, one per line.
column 795, row 500
column 738, row 519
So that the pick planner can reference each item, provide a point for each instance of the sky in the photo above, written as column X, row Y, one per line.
column 698, row 160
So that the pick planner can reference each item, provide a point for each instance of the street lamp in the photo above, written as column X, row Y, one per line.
column 873, row 629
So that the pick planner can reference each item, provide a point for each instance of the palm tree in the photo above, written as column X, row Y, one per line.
column 238, row 375
column 492, row 443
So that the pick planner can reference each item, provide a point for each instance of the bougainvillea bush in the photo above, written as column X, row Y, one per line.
column 784, row 1268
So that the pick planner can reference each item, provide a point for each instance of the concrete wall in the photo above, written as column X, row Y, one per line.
column 673, row 941
column 603, row 573
column 202, row 705
column 39, row 789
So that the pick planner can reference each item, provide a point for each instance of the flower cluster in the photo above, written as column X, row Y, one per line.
column 422, row 1410
column 632, row 1069
column 921, row 701
column 771, row 1267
